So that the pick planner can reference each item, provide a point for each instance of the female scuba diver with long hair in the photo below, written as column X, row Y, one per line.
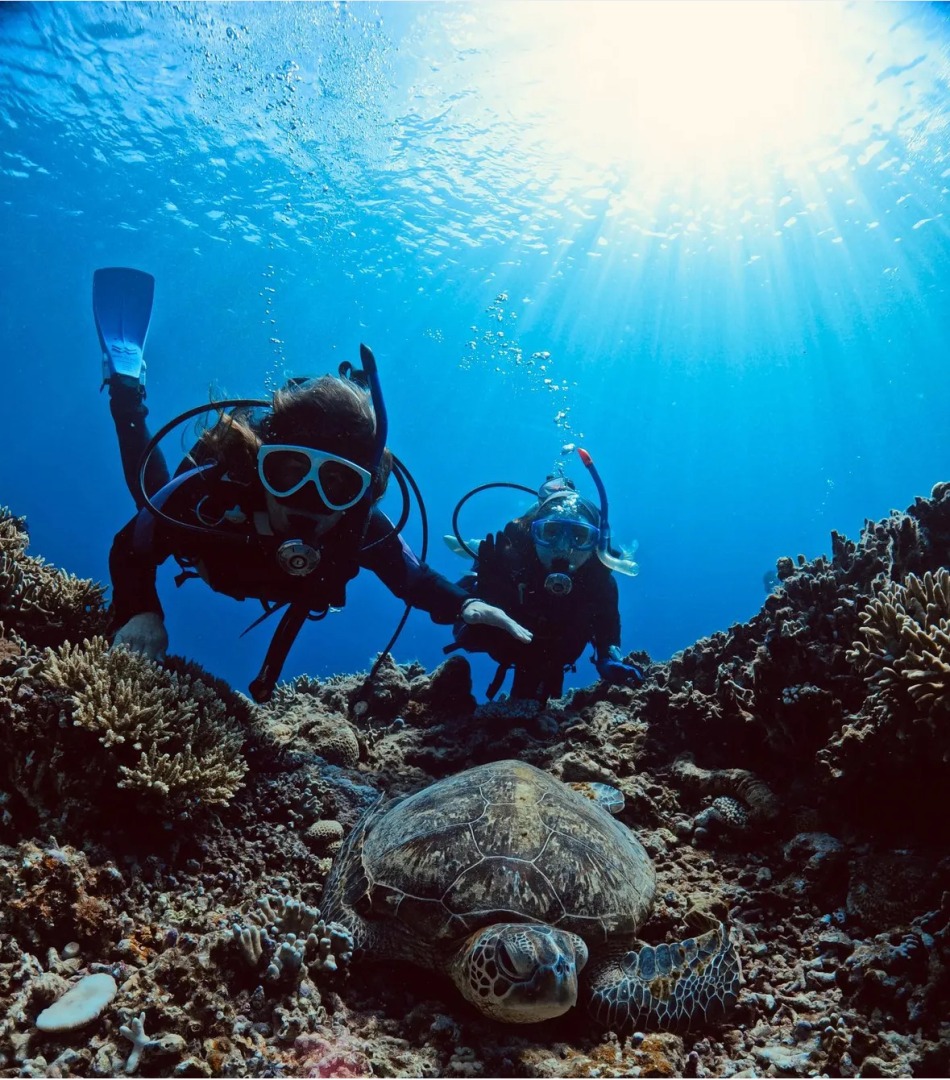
column 277, row 501
column 553, row 569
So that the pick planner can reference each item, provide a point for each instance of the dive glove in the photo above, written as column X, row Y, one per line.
column 494, row 553
column 614, row 671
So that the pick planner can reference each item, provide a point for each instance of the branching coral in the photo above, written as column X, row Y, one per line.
column 907, row 647
column 898, row 743
column 86, row 716
column 44, row 604
column 182, row 743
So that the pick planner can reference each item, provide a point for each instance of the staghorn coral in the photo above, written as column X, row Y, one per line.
column 45, row 605
column 907, row 647
column 177, row 735
column 86, row 723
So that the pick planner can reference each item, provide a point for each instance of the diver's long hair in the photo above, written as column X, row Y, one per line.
column 327, row 413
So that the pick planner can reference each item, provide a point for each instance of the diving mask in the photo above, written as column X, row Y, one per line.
column 285, row 470
column 565, row 533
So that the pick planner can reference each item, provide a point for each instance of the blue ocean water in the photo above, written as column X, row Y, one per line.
column 705, row 241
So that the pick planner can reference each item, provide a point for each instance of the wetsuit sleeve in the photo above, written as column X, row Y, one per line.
column 394, row 563
column 605, row 616
column 133, row 574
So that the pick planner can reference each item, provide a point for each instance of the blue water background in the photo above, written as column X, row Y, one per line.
column 753, row 362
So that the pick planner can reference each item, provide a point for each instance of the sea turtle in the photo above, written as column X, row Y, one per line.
column 508, row 880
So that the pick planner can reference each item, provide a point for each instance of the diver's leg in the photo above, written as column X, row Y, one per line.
column 553, row 683
column 122, row 307
column 129, row 413
column 527, row 682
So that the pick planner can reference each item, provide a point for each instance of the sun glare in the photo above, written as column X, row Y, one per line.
column 712, row 86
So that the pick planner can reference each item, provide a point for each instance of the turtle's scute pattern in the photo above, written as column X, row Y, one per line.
column 513, row 832
column 507, row 843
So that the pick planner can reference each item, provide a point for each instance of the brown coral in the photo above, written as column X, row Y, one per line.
column 85, row 719
column 45, row 605
column 907, row 647
column 301, row 722
column 51, row 894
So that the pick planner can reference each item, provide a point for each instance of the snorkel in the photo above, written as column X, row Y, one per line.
column 369, row 375
column 379, row 406
column 623, row 564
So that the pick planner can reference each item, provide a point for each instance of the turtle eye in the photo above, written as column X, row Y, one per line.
column 507, row 960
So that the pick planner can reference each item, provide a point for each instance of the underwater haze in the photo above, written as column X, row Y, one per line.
column 706, row 242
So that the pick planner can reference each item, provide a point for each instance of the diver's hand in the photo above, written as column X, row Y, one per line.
column 614, row 671
column 477, row 612
column 145, row 634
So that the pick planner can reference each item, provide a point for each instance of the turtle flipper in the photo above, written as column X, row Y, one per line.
column 666, row 986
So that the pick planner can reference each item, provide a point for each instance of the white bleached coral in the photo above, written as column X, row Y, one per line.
column 80, row 1005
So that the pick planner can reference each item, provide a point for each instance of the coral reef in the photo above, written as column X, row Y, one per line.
column 45, row 605
column 803, row 695
column 788, row 773
column 289, row 939
column 907, row 652
column 159, row 741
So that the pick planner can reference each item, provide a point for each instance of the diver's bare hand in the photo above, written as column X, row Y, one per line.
column 145, row 634
column 477, row 612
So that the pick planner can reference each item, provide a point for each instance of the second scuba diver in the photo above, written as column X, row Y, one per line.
column 552, row 569
column 276, row 501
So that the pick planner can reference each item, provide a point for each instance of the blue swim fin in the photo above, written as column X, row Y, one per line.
column 122, row 306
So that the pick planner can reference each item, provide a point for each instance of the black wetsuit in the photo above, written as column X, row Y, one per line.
column 239, row 562
column 238, row 556
column 561, row 625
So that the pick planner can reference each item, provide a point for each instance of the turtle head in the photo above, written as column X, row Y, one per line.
column 519, row 973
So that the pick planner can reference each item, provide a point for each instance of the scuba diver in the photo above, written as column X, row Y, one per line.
column 552, row 569
column 275, row 501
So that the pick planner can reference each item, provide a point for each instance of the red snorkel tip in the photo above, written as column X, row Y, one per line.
column 585, row 457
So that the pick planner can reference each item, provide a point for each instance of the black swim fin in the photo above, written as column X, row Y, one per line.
column 122, row 306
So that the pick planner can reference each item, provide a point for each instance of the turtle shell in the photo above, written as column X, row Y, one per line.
column 503, row 842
